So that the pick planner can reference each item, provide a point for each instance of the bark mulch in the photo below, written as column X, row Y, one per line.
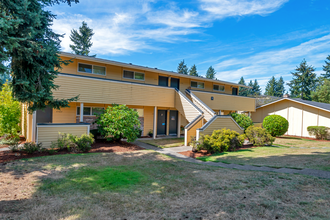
column 98, row 146
column 192, row 154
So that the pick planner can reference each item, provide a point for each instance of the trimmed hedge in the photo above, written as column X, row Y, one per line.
column 320, row 132
column 243, row 120
column 276, row 125
column 259, row 136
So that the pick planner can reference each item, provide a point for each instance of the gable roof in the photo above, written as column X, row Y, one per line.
column 318, row 105
column 155, row 70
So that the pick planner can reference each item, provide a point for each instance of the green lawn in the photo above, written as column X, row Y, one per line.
column 147, row 185
column 165, row 143
column 302, row 155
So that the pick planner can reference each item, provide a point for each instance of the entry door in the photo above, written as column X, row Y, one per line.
column 234, row 91
column 173, row 122
column 161, row 122
column 175, row 83
column 163, row 81
column 45, row 115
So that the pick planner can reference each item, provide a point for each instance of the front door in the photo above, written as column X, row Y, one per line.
column 175, row 83
column 161, row 122
column 173, row 122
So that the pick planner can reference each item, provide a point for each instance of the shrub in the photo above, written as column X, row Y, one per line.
column 243, row 120
column 220, row 141
column 95, row 133
column 84, row 142
column 74, row 143
column 320, row 132
column 31, row 147
column 8, row 139
column 10, row 113
column 259, row 136
column 119, row 121
column 276, row 125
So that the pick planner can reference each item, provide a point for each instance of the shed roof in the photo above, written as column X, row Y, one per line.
column 319, row 105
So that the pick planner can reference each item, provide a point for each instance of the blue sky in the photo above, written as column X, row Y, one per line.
column 255, row 39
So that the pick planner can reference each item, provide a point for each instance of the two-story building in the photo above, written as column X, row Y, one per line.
column 166, row 101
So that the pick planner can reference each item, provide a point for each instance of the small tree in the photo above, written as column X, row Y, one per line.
column 82, row 40
column 210, row 74
column 119, row 121
column 242, row 120
column 10, row 113
column 182, row 68
column 193, row 71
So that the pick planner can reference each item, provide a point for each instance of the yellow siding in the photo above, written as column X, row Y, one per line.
column 226, row 102
column 65, row 115
column 220, row 123
column 192, row 131
column 105, row 92
column 185, row 108
column 148, row 119
column 48, row 134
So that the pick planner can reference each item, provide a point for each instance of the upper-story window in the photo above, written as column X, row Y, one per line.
column 92, row 69
column 198, row 85
column 133, row 75
column 219, row 88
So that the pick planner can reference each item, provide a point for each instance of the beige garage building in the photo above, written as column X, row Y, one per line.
column 300, row 114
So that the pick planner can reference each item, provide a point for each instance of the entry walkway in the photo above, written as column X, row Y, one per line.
column 173, row 152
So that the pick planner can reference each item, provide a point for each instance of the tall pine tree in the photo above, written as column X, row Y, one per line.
column 271, row 87
column 30, row 45
column 210, row 73
column 326, row 69
column 280, row 89
column 193, row 71
column 256, row 90
column 303, row 82
column 182, row 68
column 243, row 91
column 82, row 40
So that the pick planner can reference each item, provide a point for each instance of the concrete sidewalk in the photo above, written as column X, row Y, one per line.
column 173, row 152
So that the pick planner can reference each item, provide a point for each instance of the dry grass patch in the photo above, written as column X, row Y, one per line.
column 165, row 143
column 301, row 142
column 160, row 188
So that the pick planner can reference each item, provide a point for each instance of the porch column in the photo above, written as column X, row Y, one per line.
column 250, row 114
column 81, row 112
column 155, row 123
column 169, row 81
column 168, row 122
column 179, row 125
column 34, row 126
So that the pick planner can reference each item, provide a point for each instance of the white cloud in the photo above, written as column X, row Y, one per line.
column 228, row 8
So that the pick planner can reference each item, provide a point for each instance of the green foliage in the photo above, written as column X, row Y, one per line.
column 84, row 142
column 210, row 73
column 243, row 120
column 322, row 92
column 28, row 42
column 193, row 71
column 31, row 147
column 118, row 122
column 8, row 139
column 255, row 90
column 276, row 125
column 74, row 143
column 182, row 68
column 326, row 69
column 150, row 133
column 220, row 141
column 320, row 132
column 280, row 89
column 275, row 87
column 243, row 91
column 303, row 82
column 10, row 113
column 95, row 133
column 82, row 40
column 259, row 136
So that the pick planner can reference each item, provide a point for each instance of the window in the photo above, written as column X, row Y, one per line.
column 88, row 68
column 90, row 111
column 140, row 111
column 198, row 85
column 218, row 88
column 133, row 75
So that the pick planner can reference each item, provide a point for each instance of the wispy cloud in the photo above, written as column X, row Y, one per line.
column 228, row 8
column 275, row 62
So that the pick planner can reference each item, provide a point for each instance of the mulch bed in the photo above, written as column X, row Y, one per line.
column 202, row 153
column 99, row 146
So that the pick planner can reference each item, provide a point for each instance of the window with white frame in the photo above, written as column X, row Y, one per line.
column 219, row 88
column 90, row 111
column 92, row 69
column 198, row 85
column 133, row 75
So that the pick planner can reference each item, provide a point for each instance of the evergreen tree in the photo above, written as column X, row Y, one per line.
column 30, row 45
column 256, row 90
column 322, row 93
column 193, row 71
column 210, row 74
column 326, row 69
column 303, row 82
column 250, row 91
column 182, row 68
column 82, row 40
column 271, row 87
column 280, row 89
column 243, row 91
